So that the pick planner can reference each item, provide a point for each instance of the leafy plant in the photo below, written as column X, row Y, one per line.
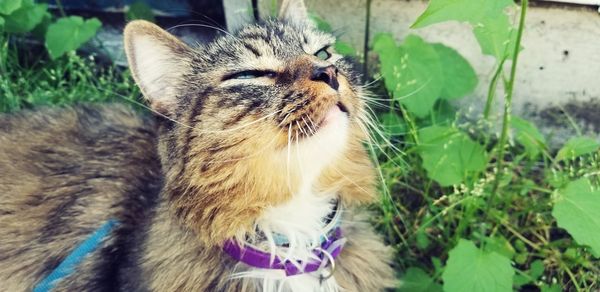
column 449, row 156
column 140, row 10
column 475, row 211
column 418, row 74
column 576, row 210
column 576, row 147
column 28, row 79
column 62, row 35
column 484, row 270
column 69, row 33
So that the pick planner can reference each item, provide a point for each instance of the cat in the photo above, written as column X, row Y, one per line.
column 255, row 146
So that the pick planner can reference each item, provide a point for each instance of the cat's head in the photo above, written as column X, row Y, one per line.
column 250, row 118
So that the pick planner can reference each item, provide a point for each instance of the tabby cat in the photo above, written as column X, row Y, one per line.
column 250, row 176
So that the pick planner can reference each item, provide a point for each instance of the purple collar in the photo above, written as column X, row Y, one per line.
column 260, row 259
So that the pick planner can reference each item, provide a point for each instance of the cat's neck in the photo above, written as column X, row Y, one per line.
column 169, row 246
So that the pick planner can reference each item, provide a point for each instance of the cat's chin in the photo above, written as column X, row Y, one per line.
column 333, row 115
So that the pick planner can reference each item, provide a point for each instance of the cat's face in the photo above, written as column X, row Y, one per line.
column 283, row 76
column 276, row 88
column 250, row 119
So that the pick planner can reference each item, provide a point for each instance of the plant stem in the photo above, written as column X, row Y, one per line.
column 517, row 234
column 571, row 275
column 366, row 41
column 492, row 89
column 60, row 8
column 411, row 124
column 508, row 102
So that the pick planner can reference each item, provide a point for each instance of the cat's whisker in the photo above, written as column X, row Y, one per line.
column 261, row 151
column 314, row 127
column 289, row 149
column 369, row 118
column 371, row 83
column 185, row 125
column 201, row 25
column 384, row 186
column 308, row 127
column 311, row 127
column 413, row 92
column 247, row 124
column 300, row 129
column 379, row 104
column 365, row 126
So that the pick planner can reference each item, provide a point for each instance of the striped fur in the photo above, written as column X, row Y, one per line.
column 208, row 166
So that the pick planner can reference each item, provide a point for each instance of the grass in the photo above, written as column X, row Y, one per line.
column 421, row 219
column 28, row 79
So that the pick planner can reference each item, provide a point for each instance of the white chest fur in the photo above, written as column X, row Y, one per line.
column 301, row 219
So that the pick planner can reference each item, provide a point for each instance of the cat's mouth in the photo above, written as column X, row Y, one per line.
column 315, row 120
column 334, row 114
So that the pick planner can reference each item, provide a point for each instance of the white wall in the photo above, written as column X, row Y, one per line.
column 559, row 65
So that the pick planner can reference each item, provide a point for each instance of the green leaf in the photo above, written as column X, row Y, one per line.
column 417, row 280
column 472, row 11
column 553, row 288
column 9, row 6
column 25, row 18
column 450, row 156
column 1, row 23
column 528, row 135
column 536, row 269
column 393, row 124
column 411, row 72
column 140, row 10
column 577, row 146
column 69, row 33
column 40, row 29
column 460, row 78
column 422, row 240
column 470, row 269
column 496, row 36
column 491, row 24
column 500, row 245
column 577, row 210
column 520, row 280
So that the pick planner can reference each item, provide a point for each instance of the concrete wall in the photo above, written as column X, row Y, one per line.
column 559, row 67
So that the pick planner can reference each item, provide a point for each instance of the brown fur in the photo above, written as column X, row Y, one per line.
column 63, row 172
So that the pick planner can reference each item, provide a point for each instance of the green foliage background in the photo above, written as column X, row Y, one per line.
column 470, row 211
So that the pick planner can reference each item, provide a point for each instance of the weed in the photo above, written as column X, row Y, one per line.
column 477, row 212
column 29, row 79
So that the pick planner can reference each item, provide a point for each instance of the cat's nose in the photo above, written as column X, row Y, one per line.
column 326, row 74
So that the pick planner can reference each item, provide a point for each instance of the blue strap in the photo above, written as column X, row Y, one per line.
column 68, row 265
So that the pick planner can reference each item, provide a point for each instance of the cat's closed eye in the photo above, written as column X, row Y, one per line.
column 251, row 74
column 323, row 53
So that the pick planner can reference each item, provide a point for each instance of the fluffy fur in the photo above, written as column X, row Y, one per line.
column 223, row 157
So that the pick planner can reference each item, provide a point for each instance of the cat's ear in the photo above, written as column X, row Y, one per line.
column 158, row 62
column 293, row 11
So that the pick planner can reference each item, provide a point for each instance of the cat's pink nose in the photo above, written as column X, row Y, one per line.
column 326, row 74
